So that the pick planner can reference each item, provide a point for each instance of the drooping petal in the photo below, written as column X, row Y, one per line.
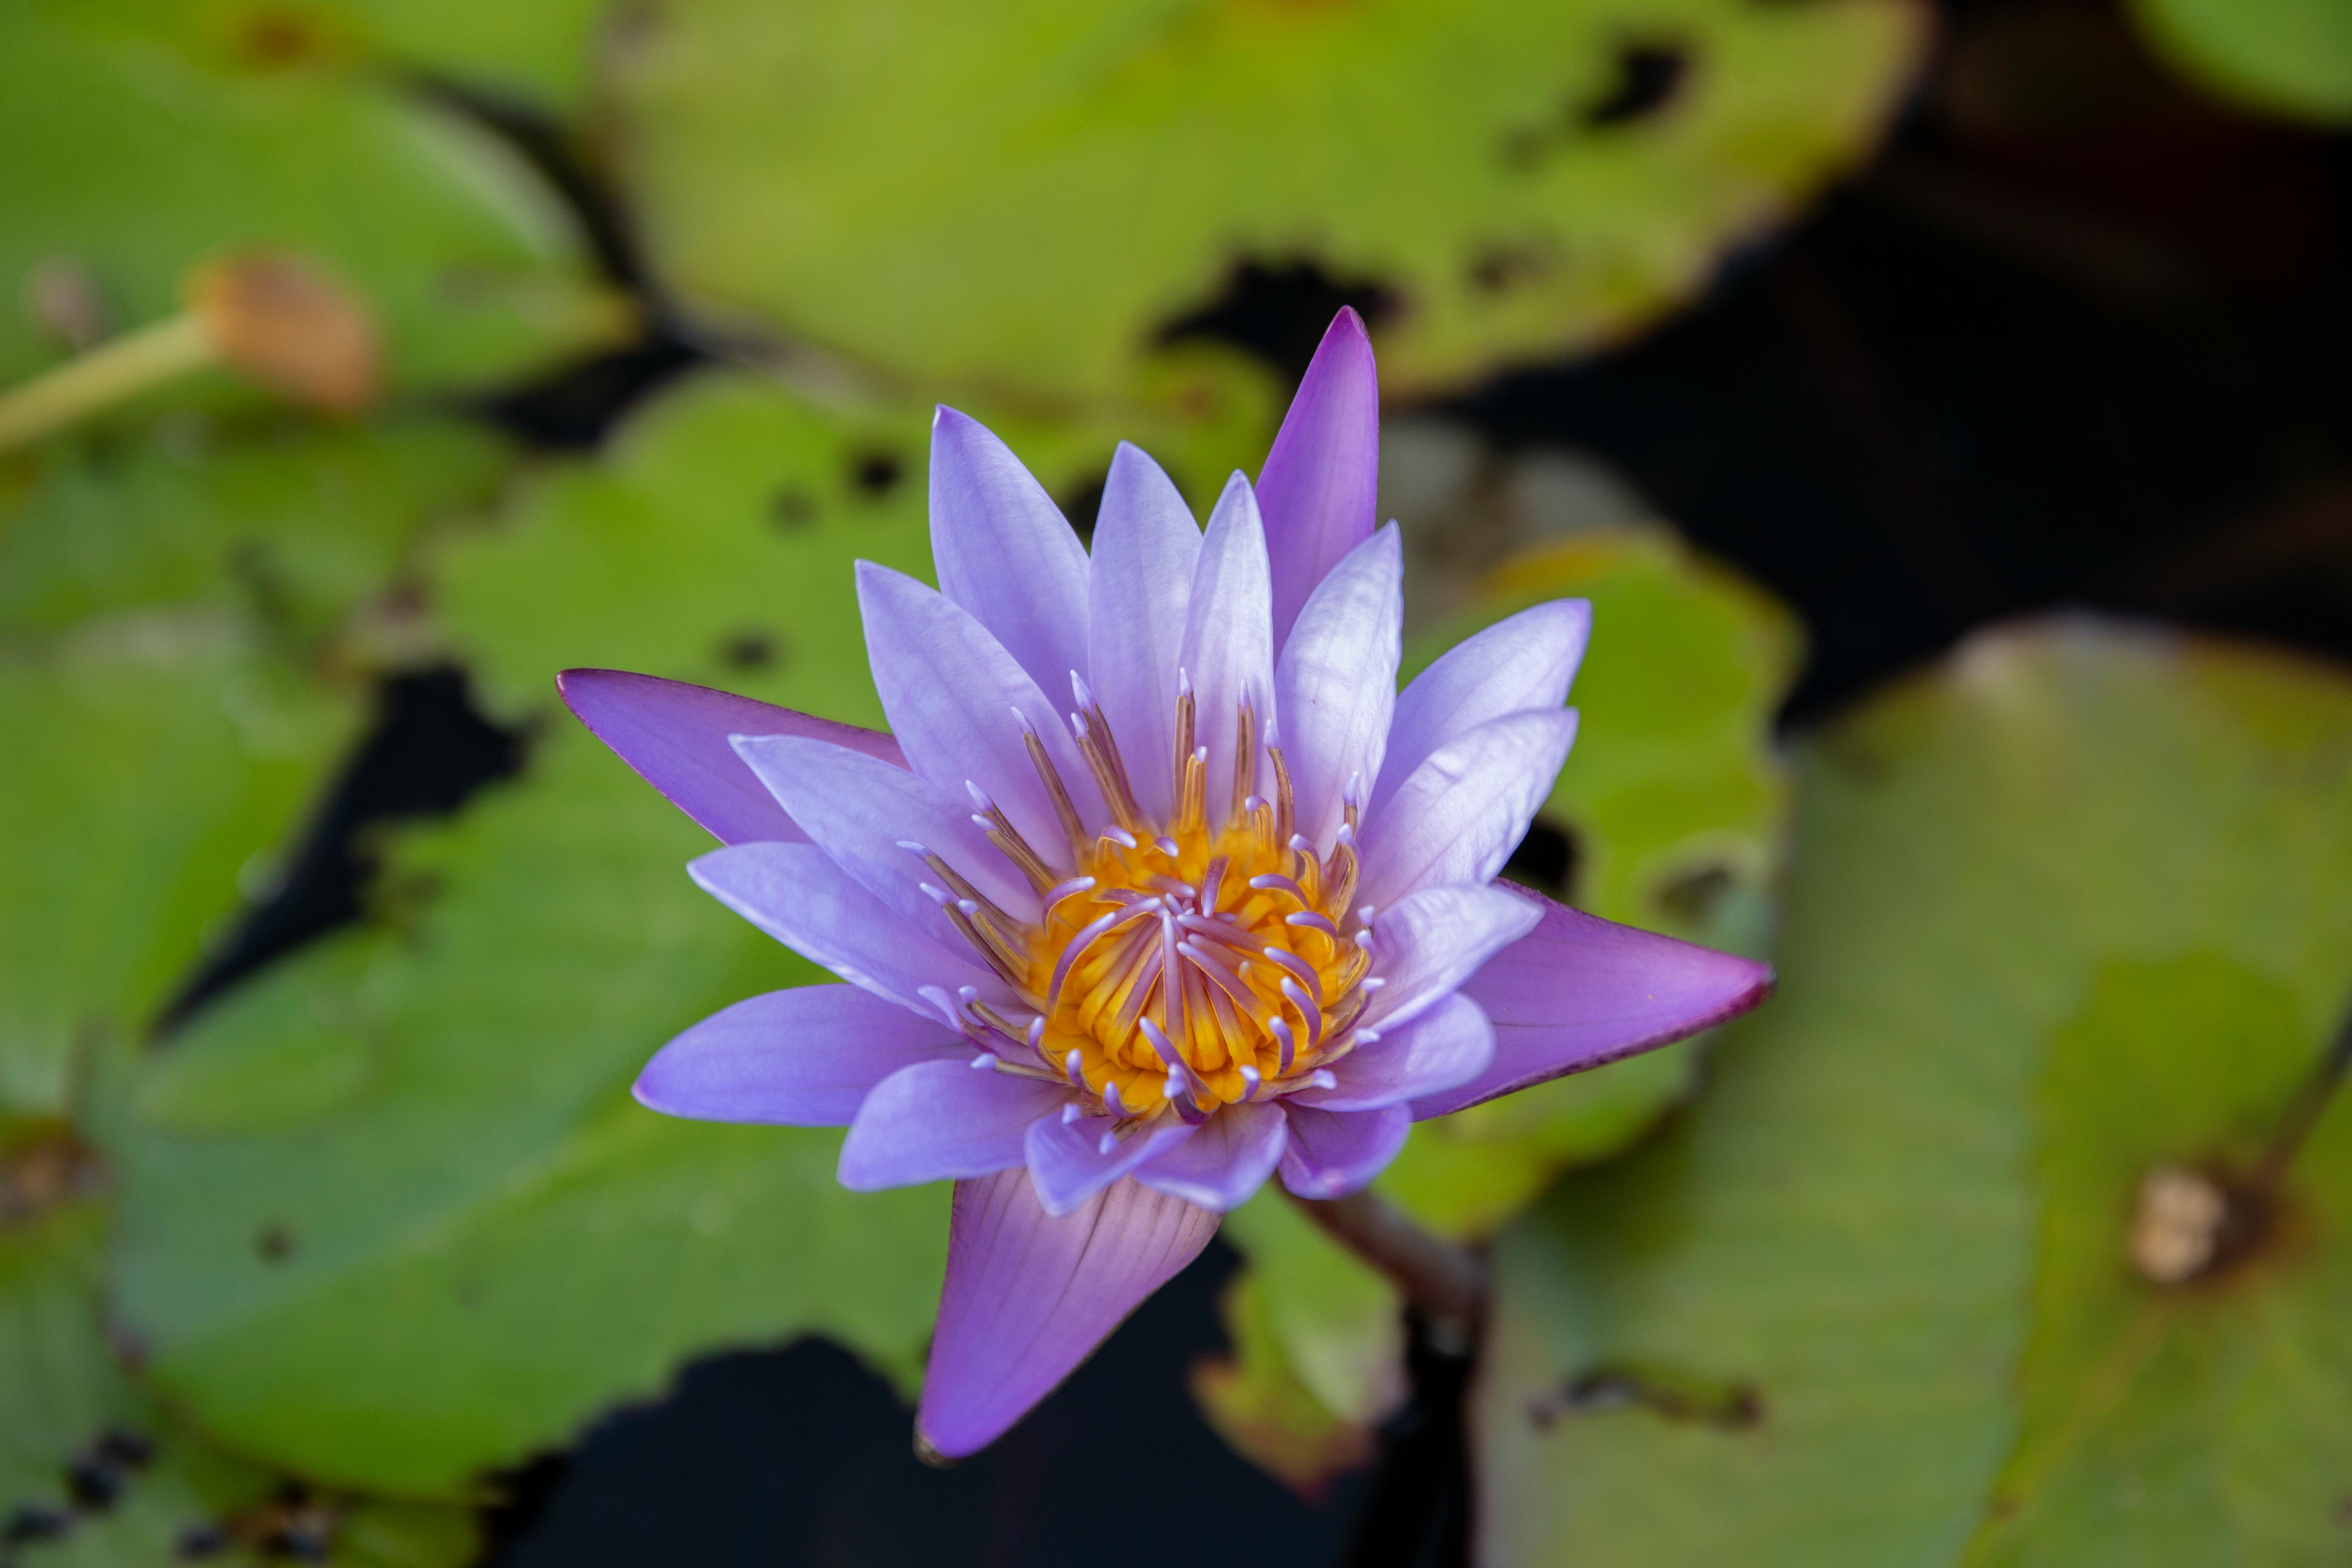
column 1579, row 992
column 1005, row 553
column 1447, row 1046
column 936, row 1121
column 1335, row 1152
column 1146, row 547
column 953, row 695
column 1029, row 1295
column 1069, row 1165
column 1457, row 816
column 1228, row 650
column 802, row 1058
column 1335, row 682
column 674, row 736
column 1529, row 660
column 797, row 894
column 860, row 811
column 1226, row 1161
column 1320, row 485
column 1427, row 943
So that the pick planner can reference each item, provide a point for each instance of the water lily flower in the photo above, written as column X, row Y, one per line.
column 1156, row 886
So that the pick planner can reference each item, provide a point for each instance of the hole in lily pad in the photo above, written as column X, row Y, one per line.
column 1649, row 75
column 1544, row 861
column 275, row 1244
column 877, row 474
column 1693, row 896
column 792, row 510
column 1726, row 1406
column 1278, row 310
column 751, row 649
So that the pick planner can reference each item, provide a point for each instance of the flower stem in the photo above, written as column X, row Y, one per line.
column 119, row 368
column 1445, row 1283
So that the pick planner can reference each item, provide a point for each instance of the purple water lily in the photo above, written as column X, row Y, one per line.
column 1158, row 885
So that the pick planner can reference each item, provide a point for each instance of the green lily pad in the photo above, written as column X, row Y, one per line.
column 136, row 157
column 1022, row 198
column 2067, row 908
column 2284, row 56
column 161, row 758
column 714, row 542
column 1674, row 802
column 285, row 522
column 69, row 1404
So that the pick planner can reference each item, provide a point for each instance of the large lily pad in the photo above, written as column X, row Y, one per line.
column 1672, row 803
column 2067, row 908
column 285, row 522
column 390, row 1218
column 164, row 601
column 1022, row 197
column 155, row 760
column 96, row 1475
column 138, row 153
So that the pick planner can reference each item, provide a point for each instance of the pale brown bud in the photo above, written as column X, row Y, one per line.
column 284, row 322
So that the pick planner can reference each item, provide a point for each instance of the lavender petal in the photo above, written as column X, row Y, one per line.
column 1526, row 661
column 1447, row 1046
column 1029, row 1295
column 939, row 1121
column 1005, row 553
column 1320, row 483
column 674, row 736
column 1580, row 992
column 1335, row 682
column 1333, row 1153
column 1457, row 816
column 802, row 1058
column 1146, row 547
column 1224, row 1162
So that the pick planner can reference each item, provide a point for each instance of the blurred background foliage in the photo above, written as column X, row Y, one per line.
column 329, row 945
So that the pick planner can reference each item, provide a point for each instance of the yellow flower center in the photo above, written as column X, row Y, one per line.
column 1182, row 965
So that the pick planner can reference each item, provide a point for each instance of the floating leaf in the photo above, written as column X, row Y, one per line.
column 100, row 1477
column 2285, row 57
column 1671, row 806
column 715, row 542
column 1024, row 197
column 161, row 757
column 137, row 156
column 286, row 522
column 2070, row 905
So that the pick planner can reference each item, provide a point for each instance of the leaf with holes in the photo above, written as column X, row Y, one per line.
column 94, row 1474
column 2292, row 57
column 1668, row 816
column 286, row 524
column 1026, row 196
column 142, row 149
column 2064, row 911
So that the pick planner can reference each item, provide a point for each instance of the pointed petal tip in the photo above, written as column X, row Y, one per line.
column 932, row 1455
